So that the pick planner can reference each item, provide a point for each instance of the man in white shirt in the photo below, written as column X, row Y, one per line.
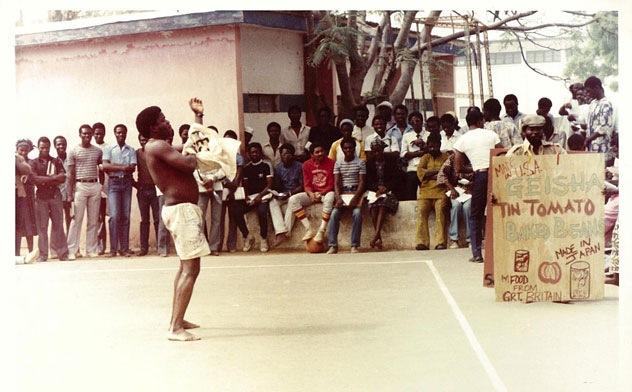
column 379, row 127
column 271, row 150
column 511, row 110
column 296, row 133
column 361, row 129
column 413, row 147
column 401, row 126
column 475, row 145
column 449, row 134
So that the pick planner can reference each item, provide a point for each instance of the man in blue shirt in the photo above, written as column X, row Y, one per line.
column 119, row 162
column 288, row 181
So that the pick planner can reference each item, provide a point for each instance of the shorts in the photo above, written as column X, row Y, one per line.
column 184, row 222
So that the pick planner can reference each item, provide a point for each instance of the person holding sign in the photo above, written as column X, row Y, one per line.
column 349, row 186
column 475, row 146
column 534, row 143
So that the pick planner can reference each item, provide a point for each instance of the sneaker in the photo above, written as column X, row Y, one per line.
column 332, row 250
column 319, row 236
column 477, row 259
column 249, row 242
column 309, row 234
column 31, row 256
column 421, row 247
column 264, row 245
column 19, row 259
column 72, row 257
column 454, row 245
column 354, row 249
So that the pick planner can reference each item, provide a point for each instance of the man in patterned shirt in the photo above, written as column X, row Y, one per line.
column 506, row 130
column 600, row 117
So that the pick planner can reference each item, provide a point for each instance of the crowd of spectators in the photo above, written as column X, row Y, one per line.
column 400, row 156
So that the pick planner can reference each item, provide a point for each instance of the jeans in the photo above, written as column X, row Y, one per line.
column 51, row 209
column 120, row 200
column 147, row 198
column 334, row 226
column 102, row 235
column 87, row 198
column 236, row 220
column 262, row 216
column 477, row 217
column 456, row 210
column 213, row 198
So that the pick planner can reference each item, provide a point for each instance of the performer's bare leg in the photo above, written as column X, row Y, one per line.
column 185, row 324
column 183, row 288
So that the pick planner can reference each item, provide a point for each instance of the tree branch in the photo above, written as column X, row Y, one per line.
column 401, row 40
column 529, row 28
column 373, row 48
column 580, row 13
column 382, row 59
column 452, row 37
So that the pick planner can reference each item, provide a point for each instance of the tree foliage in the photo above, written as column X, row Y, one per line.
column 596, row 50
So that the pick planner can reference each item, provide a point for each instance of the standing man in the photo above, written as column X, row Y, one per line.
column 385, row 110
column 379, row 127
column 413, row 147
column 85, row 190
column 60, row 146
column 401, row 126
column 271, row 150
column 506, row 130
column 296, row 133
column 512, row 114
column 349, row 178
column 173, row 173
column 147, row 198
column 119, row 163
column 600, row 117
column 324, row 132
column 48, row 173
column 449, row 134
column 99, row 140
column 475, row 145
column 361, row 129
column 431, row 195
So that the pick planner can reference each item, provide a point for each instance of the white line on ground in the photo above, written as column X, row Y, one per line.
column 250, row 266
column 469, row 333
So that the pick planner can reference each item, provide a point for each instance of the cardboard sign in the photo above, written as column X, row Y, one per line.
column 548, row 227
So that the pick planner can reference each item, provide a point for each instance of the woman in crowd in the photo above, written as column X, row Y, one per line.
column 383, row 178
column 25, row 225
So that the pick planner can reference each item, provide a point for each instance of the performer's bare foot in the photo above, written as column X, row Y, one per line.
column 181, row 335
column 189, row 325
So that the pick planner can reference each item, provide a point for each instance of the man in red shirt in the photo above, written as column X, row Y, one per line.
column 318, row 180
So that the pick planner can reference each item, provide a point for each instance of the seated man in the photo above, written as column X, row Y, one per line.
column 431, row 194
column 318, row 182
column 288, row 181
column 257, row 181
column 459, row 207
column 349, row 191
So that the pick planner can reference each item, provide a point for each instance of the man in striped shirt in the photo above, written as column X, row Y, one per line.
column 349, row 186
column 84, row 189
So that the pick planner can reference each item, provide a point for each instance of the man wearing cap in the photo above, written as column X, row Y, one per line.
column 600, row 117
column 534, row 143
column 296, row 133
column 324, row 132
column 475, row 145
column 85, row 190
column 346, row 129
column 385, row 110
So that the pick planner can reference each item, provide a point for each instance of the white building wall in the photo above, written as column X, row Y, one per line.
column 272, row 63
column 517, row 79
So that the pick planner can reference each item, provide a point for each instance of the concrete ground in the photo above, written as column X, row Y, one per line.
column 391, row 321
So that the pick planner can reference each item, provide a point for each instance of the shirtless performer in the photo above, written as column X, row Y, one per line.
column 172, row 172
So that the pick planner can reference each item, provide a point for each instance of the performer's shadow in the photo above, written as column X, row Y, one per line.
column 285, row 331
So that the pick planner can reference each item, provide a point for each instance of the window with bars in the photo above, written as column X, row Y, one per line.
column 544, row 56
